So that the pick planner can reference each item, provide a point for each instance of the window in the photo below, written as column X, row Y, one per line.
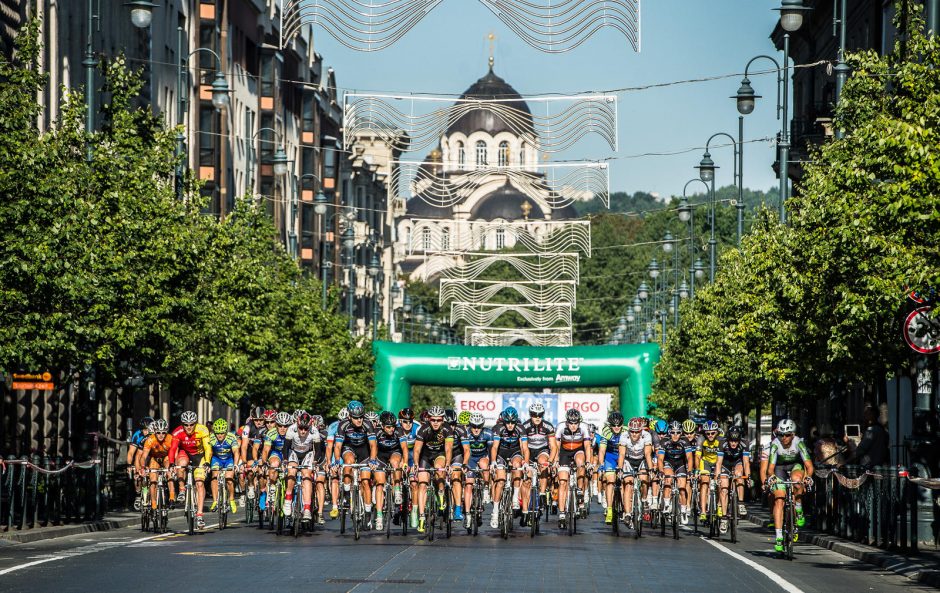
column 207, row 38
column 267, row 75
column 445, row 239
column 481, row 153
column 500, row 238
column 408, row 244
column 207, row 136
column 426, row 239
column 504, row 154
column 309, row 111
column 308, row 170
column 461, row 156
column 266, row 137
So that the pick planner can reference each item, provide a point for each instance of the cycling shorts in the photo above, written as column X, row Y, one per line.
column 709, row 468
column 225, row 464
column 309, row 458
column 567, row 457
column 783, row 472
column 611, row 462
column 456, row 460
column 361, row 452
column 276, row 453
column 536, row 453
column 634, row 466
column 194, row 460
column 474, row 462
column 504, row 462
column 427, row 459
column 679, row 468
column 387, row 456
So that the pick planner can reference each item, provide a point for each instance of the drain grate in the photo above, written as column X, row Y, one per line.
column 383, row 581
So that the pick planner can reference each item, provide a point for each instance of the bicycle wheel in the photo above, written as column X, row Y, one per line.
column 221, row 502
column 675, row 512
column 405, row 507
column 572, row 505
column 430, row 509
column 343, row 509
column 389, row 509
column 447, row 515
column 637, row 512
column 660, row 514
column 355, row 511
column 505, row 511
column 278, row 508
column 616, row 510
column 534, row 512
column 249, row 511
column 296, row 512
column 789, row 524
column 695, row 510
column 733, row 515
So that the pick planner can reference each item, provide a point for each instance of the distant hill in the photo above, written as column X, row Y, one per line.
column 642, row 202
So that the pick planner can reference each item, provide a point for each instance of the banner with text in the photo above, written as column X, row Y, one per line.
column 593, row 406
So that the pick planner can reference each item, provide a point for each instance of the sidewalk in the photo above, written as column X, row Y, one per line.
column 923, row 568
column 110, row 521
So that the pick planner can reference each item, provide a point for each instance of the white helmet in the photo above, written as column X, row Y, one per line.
column 188, row 418
column 477, row 420
column 786, row 426
column 284, row 419
column 159, row 426
column 372, row 417
column 537, row 408
column 342, row 414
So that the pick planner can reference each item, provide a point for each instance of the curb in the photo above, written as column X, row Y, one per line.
column 902, row 565
column 44, row 533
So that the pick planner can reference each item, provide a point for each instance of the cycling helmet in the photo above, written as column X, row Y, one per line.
column 257, row 413
column 615, row 419
column 675, row 427
column 146, row 422
column 661, row 427
column 372, row 417
column 425, row 415
column 573, row 416
column 710, row 426
column 220, row 426
column 735, row 433
column 450, row 416
column 636, row 424
column 158, row 426
column 688, row 425
column 537, row 409
column 510, row 415
column 435, row 412
column 298, row 412
column 356, row 409
column 270, row 414
column 283, row 419
column 387, row 419
column 317, row 421
column 786, row 426
column 477, row 420
column 188, row 417
column 651, row 426
column 463, row 418
column 342, row 414
column 304, row 420
column 406, row 414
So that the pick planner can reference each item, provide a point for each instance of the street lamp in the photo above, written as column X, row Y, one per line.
column 667, row 242
column 141, row 15
column 320, row 203
column 349, row 244
column 643, row 291
column 706, row 168
column 791, row 14
column 280, row 162
column 685, row 210
column 220, row 99
column 637, row 304
column 687, row 213
column 374, row 270
column 699, row 269
column 654, row 269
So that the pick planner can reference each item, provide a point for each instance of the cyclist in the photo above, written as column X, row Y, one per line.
column 252, row 440
column 456, row 464
column 636, row 451
column 188, row 450
column 392, row 448
column 510, row 449
column 574, row 449
column 269, row 425
column 433, row 450
column 542, row 446
column 303, row 439
column 406, row 420
column 156, row 455
column 355, row 443
column 676, row 457
column 707, row 455
column 736, row 459
column 657, row 432
column 134, row 447
column 477, row 442
column 222, row 449
column 273, row 451
column 342, row 415
column 608, row 454
column 789, row 460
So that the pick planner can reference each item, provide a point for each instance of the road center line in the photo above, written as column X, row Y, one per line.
column 776, row 578
column 375, row 585
column 81, row 551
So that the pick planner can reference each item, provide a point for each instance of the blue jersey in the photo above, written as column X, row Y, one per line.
column 612, row 440
column 138, row 438
column 331, row 430
column 412, row 434
column 479, row 444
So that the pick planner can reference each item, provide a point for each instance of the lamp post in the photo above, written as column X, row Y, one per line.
column 394, row 292
column 687, row 214
column 220, row 100
column 141, row 16
column 374, row 270
column 707, row 167
column 791, row 19
column 841, row 68
column 349, row 244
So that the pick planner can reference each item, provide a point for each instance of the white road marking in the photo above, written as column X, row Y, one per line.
column 98, row 547
column 776, row 578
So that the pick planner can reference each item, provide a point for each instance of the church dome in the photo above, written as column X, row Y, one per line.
column 418, row 208
column 489, row 88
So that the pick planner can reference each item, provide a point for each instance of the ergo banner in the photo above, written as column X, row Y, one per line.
column 593, row 406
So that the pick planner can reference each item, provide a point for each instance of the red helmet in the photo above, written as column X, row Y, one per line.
column 270, row 414
column 303, row 420
column 636, row 424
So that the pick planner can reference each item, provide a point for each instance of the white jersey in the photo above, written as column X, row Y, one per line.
column 300, row 444
column 636, row 449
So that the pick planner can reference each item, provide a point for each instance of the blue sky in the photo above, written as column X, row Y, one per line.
column 682, row 39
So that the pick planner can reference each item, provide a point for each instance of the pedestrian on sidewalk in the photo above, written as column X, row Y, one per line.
column 872, row 450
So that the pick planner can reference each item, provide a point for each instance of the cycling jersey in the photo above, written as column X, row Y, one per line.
column 572, row 440
column 355, row 437
column 674, row 452
column 410, row 435
column 539, row 435
column 191, row 444
column 480, row 444
column 709, row 451
column 276, row 441
column 781, row 456
column 734, row 455
column 253, row 433
column 304, row 449
column 137, row 439
column 223, row 448
column 636, row 449
column 389, row 444
column 434, row 441
column 159, row 448
column 510, row 441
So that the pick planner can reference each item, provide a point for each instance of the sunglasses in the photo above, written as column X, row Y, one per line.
column 435, row 419
column 270, row 422
column 406, row 421
column 675, row 433
column 635, row 431
column 189, row 425
column 786, row 434
column 572, row 422
column 303, row 429
column 160, row 432
column 532, row 415
column 711, row 433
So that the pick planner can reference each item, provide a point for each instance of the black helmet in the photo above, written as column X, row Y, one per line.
column 387, row 419
column 615, row 419
column 450, row 416
column 573, row 415
column 735, row 433
column 257, row 413
column 406, row 414
column 146, row 422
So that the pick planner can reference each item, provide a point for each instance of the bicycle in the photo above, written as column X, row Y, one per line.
column 571, row 507
column 674, row 503
column 711, row 508
column 733, row 507
column 159, row 516
column 352, row 503
column 297, row 522
column 636, row 511
column 145, row 510
column 535, row 498
column 222, row 501
column 694, row 504
column 616, row 504
column 404, row 509
column 250, row 495
column 432, row 502
column 790, row 532
column 189, row 500
column 505, row 507
column 275, row 503
column 475, row 512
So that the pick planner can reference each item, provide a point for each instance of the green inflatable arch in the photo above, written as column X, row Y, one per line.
column 629, row 367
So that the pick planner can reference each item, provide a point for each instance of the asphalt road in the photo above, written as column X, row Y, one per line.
column 242, row 558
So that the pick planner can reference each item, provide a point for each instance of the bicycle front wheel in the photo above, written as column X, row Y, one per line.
column 355, row 510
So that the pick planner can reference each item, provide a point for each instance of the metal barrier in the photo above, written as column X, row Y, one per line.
column 43, row 491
